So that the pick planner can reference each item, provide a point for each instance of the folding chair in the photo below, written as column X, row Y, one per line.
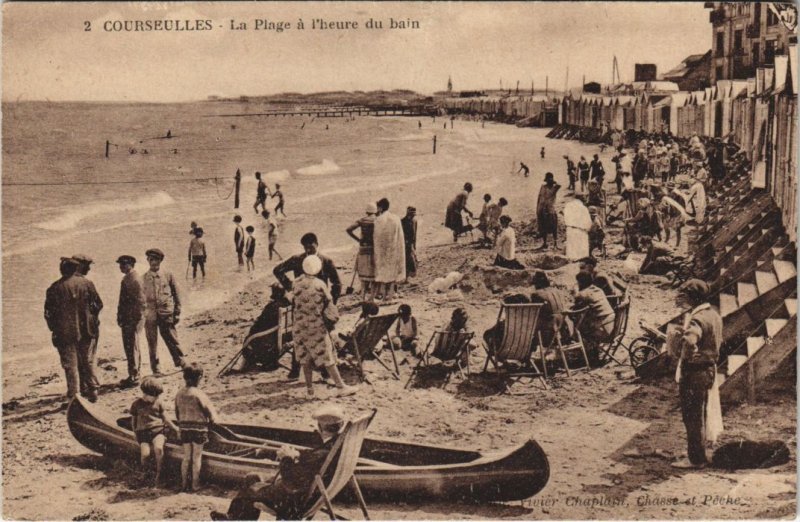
column 336, row 472
column 284, row 327
column 516, row 344
column 447, row 347
column 366, row 338
column 576, row 343
column 609, row 349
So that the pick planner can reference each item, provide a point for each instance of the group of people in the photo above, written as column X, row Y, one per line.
column 72, row 312
column 387, row 249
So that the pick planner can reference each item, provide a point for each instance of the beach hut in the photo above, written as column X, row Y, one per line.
column 677, row 101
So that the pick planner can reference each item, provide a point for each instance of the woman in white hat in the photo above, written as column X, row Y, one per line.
column 313, row 308
column 365, row 262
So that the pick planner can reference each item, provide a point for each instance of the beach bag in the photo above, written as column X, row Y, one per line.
column 330, row 316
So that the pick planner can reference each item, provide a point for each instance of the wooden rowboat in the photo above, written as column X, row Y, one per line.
column 387, row 469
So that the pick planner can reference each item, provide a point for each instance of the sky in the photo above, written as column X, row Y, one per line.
column 49, row 55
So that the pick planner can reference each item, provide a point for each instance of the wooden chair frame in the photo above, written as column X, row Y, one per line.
column 284, row 326
column 517, row 341
column 378, row 326
column 576, row 316
column 609, row 349
column 347, row 448
column 445, row 348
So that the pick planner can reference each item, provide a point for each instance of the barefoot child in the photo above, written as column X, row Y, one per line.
column 195, row 413
column 197, row 253
column 250, row 248
column 148, row 420
column 272, row 234
column 406, row 333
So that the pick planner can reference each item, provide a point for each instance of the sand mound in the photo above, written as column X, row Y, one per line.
column 482, row 279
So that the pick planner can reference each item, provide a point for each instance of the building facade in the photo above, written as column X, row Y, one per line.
column 747, row 35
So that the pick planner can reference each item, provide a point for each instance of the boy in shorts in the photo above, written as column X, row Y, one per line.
column 197, row 253
column 148, row 422
column 195, row 413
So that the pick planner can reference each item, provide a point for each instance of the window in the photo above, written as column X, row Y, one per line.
column 756, row 54
column 771, row 18
column 720, row 47
column 737, row 40
column 769, row 52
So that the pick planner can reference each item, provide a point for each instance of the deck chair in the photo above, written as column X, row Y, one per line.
column 447, row 346
column 609, row 349
column 366, row 338
column 574, row 344
column 284, row 327
column 337, row 472
column 517, row 341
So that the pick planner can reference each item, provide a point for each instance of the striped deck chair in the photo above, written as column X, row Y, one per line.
column 607, row 350
column 336, row 472
column 576, row 343
column 365, row 341
column 447, row 347
column 284, row 327
column 516, row 344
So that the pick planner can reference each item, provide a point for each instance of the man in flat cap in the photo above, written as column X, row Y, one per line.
column 162, row 310
column 284, row 495
column 697, row 351
column 89, row 356
column 130, row 315
column 67, row 310
column 409, row 224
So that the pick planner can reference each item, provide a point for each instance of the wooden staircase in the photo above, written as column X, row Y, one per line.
column 769, row 347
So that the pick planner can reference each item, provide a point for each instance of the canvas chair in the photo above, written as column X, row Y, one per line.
column 366, row 338
column 516, row 343
column 609, row 349
column 447, row 347
column 574, row 344
column 284, row 326
column 336, row 472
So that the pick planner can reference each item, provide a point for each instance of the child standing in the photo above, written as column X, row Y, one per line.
column 148, row 420
column 195, row 413
column 250, row 247
column 406, row 333
column 278, row 194
column 272, row 234
column 197, row 253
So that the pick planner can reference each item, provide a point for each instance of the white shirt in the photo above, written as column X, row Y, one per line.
column 506, row 244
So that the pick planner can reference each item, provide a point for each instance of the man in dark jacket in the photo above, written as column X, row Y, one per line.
column 285, row 493
column 89, row 355
column 295, row 265
column 70, row 312
column 130, row 314
column 697, row 353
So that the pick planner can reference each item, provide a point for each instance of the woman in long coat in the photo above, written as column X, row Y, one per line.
column 453, row 218
column 312, row 343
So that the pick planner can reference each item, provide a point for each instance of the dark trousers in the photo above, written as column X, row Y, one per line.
column 240, row 255
column 87, row 354
column 130, row 343
column 275, row 496
column 162, row 324
column 68, row 353
column 694, row 386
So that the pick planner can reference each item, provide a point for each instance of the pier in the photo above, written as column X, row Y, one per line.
column 341, row 112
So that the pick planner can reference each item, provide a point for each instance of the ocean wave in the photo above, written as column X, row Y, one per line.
column 326, row 167
column 277, row 175
column 70, row 218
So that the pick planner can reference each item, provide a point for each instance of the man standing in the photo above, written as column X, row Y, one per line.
column 261, row 194
column 130, row 313
column 697, row 351
column 598, row 172
column 390, row 251
column 238, row 239
column 87, row 357
column 409, row 223
column 570, row 173
column 69, row 317
column 546, row 210
column 162, row 310
column 294, row 265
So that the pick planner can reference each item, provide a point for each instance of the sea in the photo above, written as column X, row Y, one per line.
column 62, row 196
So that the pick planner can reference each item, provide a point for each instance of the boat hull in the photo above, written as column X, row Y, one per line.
column 454, row 475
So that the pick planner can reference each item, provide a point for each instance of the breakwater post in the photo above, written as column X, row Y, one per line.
column 108, row 143
column 434, row 144
column 236, row 188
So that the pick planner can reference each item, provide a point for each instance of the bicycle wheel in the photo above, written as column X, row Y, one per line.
column 642, row 350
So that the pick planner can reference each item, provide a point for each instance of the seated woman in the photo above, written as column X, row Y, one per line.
column 506, row 246
column 552, row 320
column 285, row 492
column 598, row 324
column 660, row 259
column 263, row 350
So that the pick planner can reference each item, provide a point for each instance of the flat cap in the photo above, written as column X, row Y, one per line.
column 126, row 259
column 83, row 258
column 329, row 414
column 154, row 252
column 695, row 288
column 70, row 260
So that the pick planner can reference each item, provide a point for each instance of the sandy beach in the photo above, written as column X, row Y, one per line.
column 608, row 438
